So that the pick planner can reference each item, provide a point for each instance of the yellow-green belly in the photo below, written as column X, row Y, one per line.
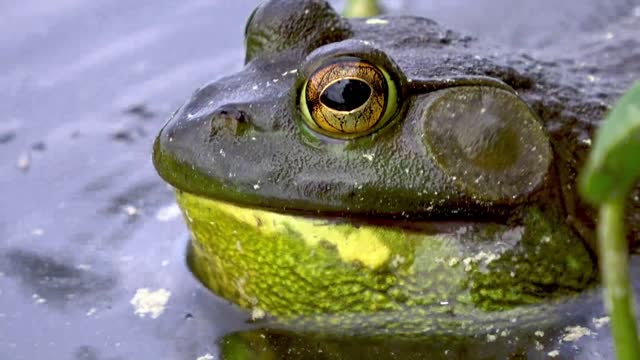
column 366, row 276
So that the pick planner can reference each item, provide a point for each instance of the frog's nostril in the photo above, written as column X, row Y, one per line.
column 235, row 114
column 229, row 119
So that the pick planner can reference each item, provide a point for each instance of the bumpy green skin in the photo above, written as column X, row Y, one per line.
column 293, row 267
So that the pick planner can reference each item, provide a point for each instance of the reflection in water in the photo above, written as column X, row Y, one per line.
column 52, row 279
column 279, row 344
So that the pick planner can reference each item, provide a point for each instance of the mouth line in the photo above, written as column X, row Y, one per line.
column 423, row 223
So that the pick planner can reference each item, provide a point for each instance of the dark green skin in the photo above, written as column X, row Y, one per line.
column 232, row 135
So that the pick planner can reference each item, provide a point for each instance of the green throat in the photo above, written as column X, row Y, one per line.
column 292, row 267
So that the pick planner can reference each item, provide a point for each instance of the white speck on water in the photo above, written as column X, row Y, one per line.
column 24, row 161
column 376, row 21
column 91, row 311
column 609, row 36
column 256, row 186
column 164, row 263
column 592, row 78
column 483, row 110
column 600, row 322
column 37, row 232
column 574, row 333
column 306, row 11
column 257, row 314
column 148, row 302
column 553, row 353
column 206, row 356
column 368, row 156
column 83, row 267
column 255, row 87
column 38, row 299
column 275, row 80
column 222, row 153
column 130, row 210
column 253, row 138
column 539, row 333
column 167, row 213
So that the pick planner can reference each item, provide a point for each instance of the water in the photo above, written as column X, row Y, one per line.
column 85, row 223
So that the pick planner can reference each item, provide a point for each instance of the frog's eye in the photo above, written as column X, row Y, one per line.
column 348, row 98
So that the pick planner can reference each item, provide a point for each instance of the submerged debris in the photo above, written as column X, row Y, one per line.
column 140, row 110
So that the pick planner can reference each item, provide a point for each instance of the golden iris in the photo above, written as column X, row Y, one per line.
column 348, row 98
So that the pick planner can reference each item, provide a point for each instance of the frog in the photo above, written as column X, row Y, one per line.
column 389, row 176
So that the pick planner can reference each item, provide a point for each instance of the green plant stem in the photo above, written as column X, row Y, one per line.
column 361, row 8
column 614, row 266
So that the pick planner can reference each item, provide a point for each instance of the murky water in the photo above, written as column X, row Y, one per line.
column 85, row 223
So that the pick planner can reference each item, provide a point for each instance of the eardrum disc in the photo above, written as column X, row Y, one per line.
column 488, row 141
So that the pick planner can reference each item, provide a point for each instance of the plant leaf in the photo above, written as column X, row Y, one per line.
column 613, row 167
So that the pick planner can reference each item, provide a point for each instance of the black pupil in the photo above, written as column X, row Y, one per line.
column 346, row 95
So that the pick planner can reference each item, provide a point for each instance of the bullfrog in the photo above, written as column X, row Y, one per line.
column 387, row 175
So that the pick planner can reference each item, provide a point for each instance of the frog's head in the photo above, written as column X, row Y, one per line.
column 380, row 117
column 386, row 125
